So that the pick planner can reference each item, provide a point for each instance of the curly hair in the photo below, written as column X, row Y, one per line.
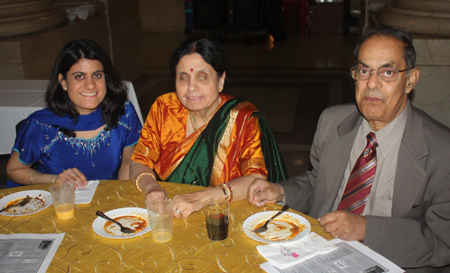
column 112, row 106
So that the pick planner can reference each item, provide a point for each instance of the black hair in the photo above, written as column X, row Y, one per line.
column 212, row 52
column 112, row 106
column 396, row 33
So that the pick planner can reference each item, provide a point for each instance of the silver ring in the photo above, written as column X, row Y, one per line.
column 180, row 212
column 334, row 235
column 73, row 174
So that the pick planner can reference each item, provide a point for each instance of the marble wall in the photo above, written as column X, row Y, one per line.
column 432, row 92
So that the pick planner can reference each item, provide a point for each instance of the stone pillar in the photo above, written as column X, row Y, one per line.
column 163, row 23
column 429, row 22
column 418, row 16
column 125, row 34
column 124, row 28
column 18, row 17
column 31, row 56
column 97, row 6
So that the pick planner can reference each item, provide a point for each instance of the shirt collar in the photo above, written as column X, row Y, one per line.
column 391, row 133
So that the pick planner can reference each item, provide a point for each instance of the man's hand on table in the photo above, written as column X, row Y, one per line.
column 345, row 225
column 261, row 192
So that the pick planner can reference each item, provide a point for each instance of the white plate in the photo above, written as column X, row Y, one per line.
column 114, row 230
column 32, row 207
column 279, row 229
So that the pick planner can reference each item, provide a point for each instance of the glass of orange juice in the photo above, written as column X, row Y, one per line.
column 63, row 196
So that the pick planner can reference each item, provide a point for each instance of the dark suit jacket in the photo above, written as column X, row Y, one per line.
column 418, row 233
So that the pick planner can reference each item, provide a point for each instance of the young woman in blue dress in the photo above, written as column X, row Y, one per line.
column 88, row 131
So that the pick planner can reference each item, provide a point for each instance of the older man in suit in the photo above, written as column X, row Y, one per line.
column 380, row 168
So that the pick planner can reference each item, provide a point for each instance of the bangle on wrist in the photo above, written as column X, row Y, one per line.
column 221, row 186
column 230, row 190
column 139, row 176
column 32, row 176
column 227, row 194
column 54, row 179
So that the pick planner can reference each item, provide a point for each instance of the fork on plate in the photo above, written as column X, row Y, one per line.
column 263, row 228
column 122, row 228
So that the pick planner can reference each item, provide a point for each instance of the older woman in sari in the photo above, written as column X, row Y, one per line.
column 200, row 136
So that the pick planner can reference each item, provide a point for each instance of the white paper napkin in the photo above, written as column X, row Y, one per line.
column 84, row 196
column 287, row 254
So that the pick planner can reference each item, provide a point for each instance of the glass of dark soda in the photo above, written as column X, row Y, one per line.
column 217, row 212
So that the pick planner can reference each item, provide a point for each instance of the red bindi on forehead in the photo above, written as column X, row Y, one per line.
column 192, row 69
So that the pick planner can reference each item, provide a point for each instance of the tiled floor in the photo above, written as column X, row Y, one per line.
column 290, row 81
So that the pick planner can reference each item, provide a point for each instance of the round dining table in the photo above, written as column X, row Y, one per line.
column 189, row 250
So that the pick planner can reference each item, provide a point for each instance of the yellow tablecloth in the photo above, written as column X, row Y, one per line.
column 82, row 250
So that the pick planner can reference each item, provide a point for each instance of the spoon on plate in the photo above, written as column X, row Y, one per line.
column 122, row 228
column 263, row 228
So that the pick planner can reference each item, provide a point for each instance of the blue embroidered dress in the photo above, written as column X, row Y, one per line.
column 97, row 158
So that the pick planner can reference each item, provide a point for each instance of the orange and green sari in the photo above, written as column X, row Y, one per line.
column 236, row 142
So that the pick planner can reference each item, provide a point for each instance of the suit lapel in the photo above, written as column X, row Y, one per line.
column 410, row 173
column 338, row 152
column 411, row 163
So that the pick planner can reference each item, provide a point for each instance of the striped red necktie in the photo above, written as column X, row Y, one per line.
column 360, row 181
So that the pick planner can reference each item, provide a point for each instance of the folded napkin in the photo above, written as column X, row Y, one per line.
column 283, row 255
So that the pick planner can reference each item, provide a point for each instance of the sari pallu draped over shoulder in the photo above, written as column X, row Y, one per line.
column 205, row 164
